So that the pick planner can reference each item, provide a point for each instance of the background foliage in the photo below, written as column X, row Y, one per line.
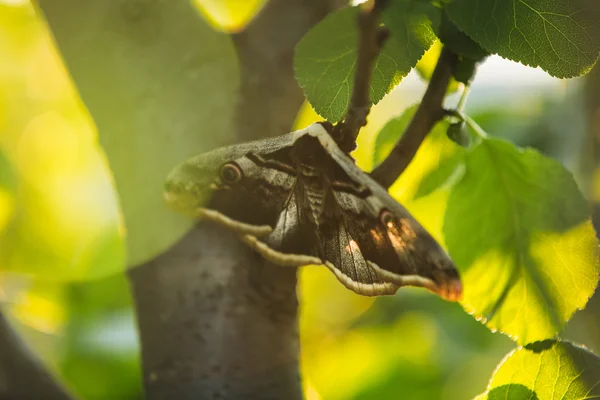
column 63, row 223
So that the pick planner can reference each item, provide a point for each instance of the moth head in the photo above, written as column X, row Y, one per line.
column 191, row 184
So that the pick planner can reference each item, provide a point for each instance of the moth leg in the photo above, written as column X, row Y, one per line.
column 236, row 226
column 276, row 257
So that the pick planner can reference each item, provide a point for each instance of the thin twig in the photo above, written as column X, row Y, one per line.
column 371, row 38
column 430, row 111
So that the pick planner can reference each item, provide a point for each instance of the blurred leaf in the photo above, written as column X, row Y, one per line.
column 516, row 123
column 460, row 347
column 161, row 86
column 40, row 306
column 230, row 15
column 66, row 224
column 8, row 179
column 7, row 191
column 546, row 370
column 345, row 364
column 556, row 35
column 85, row 333
column 435, row 162
column 100, row 342
column 519, row 230
column 325, row 58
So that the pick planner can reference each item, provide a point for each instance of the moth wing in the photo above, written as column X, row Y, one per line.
column 294, row 240
column 394, row 247
column 393, row 243
column 343, row 250
column 253, row 205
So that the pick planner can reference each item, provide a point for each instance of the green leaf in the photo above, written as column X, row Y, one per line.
column 519, row 230
column 556, row 35
column 325, row 58
column 458, row 42
column 8, row 179
column 546, row 370
column 412, row 24
column 514, row 391
column 437, row 159
column 161, row 86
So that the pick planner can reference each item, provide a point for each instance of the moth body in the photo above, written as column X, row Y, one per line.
column 298, row 199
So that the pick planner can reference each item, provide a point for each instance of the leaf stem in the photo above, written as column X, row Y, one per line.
column 477, row 130
column 463, row 98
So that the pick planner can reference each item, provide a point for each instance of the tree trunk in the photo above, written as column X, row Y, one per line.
column 216, row 321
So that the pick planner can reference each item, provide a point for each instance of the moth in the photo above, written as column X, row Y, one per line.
column 298, row 199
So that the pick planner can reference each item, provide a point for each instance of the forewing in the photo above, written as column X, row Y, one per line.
column 390, row 240
column 293, row 241
column 253, row 205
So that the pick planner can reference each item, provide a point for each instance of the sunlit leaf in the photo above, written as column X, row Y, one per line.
column 230, row 15
column 556, row 35
column 546, row 370
column 161, row 86
column 519, row 230
column 437, row 159
column 325, row 58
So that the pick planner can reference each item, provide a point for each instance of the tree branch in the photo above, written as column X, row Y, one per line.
column 22, row 374
column 429, row 112
column 371, row 39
